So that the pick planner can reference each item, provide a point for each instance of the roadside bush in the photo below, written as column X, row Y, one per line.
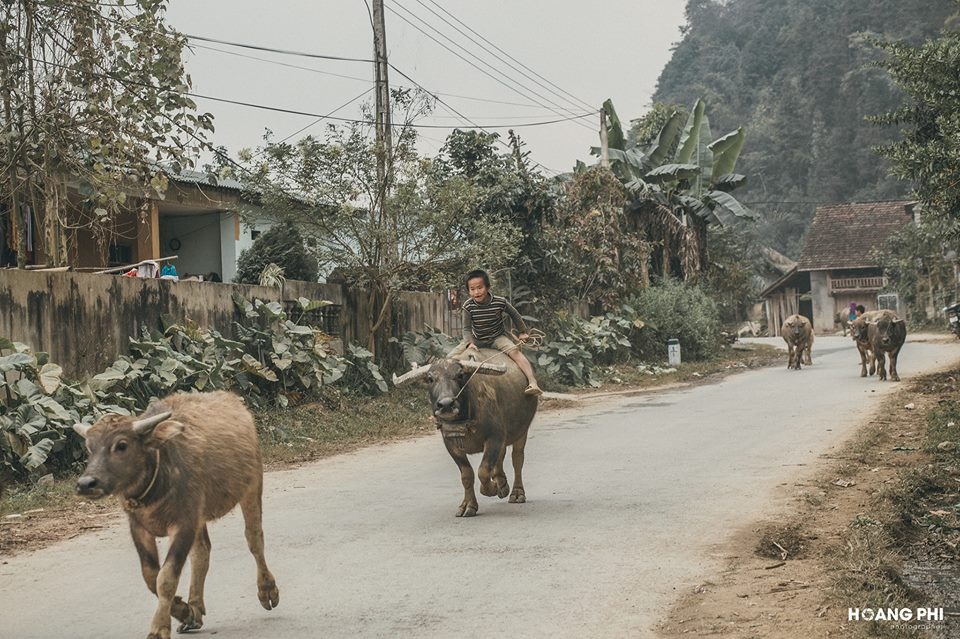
column 678, row 310
column 361, row 374
column 421, row 347
column 282, row 246
column 35, row 411
column 273, row 361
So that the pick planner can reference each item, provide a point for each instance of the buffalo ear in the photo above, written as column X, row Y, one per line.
column 898, row 321
column 82, row 429
column 165, row 431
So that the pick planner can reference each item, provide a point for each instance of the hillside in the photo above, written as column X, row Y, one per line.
column 798, row 75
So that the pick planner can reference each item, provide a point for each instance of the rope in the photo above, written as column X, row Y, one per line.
column 535, row 339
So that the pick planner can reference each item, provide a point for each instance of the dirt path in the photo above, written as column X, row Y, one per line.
column 783, row 576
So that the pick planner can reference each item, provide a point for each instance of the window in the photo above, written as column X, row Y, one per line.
column 119, row 254
column 254, row 234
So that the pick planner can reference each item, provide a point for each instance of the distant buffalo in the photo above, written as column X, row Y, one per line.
column 797, row 332
column 886, row 333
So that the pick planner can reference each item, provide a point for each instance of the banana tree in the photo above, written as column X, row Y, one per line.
column 679, row 184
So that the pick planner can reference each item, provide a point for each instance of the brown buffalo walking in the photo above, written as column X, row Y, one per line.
column 189, row 459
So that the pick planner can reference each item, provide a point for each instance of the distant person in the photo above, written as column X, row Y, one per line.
column 852, row 315
column 860, row 310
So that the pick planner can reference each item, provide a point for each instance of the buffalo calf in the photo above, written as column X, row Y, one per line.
column 188, row 459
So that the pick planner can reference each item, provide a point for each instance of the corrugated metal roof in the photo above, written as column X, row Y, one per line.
column 206, row 179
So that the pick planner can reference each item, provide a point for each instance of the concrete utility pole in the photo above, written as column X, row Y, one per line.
column 384, row 137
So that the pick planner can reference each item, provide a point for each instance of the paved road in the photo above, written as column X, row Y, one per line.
column 629, row 501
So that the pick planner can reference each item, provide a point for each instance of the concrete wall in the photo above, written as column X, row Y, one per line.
column 823, row 305
column 85, row 321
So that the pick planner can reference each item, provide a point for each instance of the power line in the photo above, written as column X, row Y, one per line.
column 355, row 121
column 556, row 109
column 272, row 50
column 358, row 79
column 466, row 119
column 533, row 77
column 582, row 102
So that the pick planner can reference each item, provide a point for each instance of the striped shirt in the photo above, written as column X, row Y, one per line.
column 484, row 322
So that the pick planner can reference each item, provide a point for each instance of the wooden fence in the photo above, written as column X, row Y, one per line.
column 85, row 321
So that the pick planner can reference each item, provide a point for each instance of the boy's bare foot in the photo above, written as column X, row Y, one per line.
column 532, row 390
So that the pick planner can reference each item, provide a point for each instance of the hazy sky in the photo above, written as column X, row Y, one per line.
column 590, row 50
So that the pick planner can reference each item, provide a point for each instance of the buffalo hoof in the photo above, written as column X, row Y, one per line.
column 163, row 633
column 504, row 490
column 489, row 489
column 518, row 496
column 269, row 596
column 189, row 625
column 467, row 511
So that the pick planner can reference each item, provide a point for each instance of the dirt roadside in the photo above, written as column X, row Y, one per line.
column 844, row 535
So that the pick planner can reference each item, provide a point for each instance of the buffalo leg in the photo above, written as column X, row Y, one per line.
column 789, row 355
column 807, row 354
column 252, row 507
column 517, row 455
column 468, row 507
column 893, row 365
column 500, row 477
column 167, row 580
column 879, row 356
column 146, row 545
column 491, row 453
column 199, row 564
column 863, row 362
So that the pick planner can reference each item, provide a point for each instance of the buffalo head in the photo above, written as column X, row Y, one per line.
column 447, row 380
column 888, row 330
column 121, row 450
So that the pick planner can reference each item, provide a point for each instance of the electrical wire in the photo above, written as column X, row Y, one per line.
column 560, row 93
column 355, row 121
column 582, row 102
column 554, row 108
column 356, row 78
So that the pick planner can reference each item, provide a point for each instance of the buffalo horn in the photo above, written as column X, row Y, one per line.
column 484, row 368
column 411, row 375
column 142, row 426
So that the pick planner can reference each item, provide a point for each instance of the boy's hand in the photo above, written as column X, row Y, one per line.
column 523, row 337
column 472, row 345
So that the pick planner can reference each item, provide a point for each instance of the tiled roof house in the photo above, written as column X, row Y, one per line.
column 836, row 266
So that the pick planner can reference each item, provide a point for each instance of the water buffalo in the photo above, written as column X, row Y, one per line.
column 188, row 459
column 798, row 334
column 886, row 333
column 480, row 407
column 858, row 331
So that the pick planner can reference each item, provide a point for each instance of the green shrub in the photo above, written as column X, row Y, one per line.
column 36, row 411
column 283, row 246
column 421, row 347
column 273, row 361
column 678, row 310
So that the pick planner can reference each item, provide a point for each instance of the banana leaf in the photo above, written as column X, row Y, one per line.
column 726, row 152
